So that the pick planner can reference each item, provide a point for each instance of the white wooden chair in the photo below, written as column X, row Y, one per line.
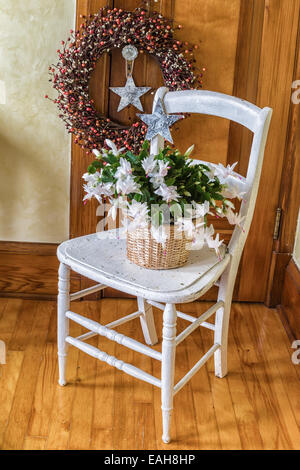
column 102, row 258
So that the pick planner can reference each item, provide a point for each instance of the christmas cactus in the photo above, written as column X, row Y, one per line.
column 163, row 189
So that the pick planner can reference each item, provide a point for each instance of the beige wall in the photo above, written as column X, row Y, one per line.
column 296, row 254
column 34, row 146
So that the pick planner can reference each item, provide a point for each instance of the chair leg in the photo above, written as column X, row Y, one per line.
column 222, row 319
column 168, row 368
column 221, row 337
column 147, row 322
column 63, row 306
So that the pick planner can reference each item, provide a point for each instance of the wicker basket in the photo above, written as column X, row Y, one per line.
column 144, row 251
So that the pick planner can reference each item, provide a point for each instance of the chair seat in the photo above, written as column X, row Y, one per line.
column 102, row 257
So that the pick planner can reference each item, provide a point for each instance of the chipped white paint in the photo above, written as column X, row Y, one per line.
column 113, row 361
column 103, row 259
column 147, row 321
column 185, row 316
column 112, row 324
column 113, row 335
column 90, row 290
column 63, row 304
column 168, row 368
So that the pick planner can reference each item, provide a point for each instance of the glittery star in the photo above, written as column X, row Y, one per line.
column 130, row 94
column 159, row 122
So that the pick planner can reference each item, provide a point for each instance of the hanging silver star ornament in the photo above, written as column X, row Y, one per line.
column 130, row 94
column 159, row 122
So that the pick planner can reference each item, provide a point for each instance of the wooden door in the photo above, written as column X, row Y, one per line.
column 249, row 49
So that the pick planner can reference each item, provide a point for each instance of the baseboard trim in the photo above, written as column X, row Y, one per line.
column 28, row 296
column 289, row 308
column 28, row 248
column 29, row 271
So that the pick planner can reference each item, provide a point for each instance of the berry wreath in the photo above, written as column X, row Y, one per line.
column 99, row 34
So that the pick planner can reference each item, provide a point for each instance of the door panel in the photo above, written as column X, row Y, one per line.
column 248, row 48
column 278, row 54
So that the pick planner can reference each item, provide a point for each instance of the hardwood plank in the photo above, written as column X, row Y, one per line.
column 103, row 417
column 144, row 426
column 224, row 431
column 3, row 304
column 10, row 314
column 52, row 332
column 60, row 418
column 278, row 346
column 141, row 409
column 34, row 443
column 257, row 406
column 21, row 335
column 21, row 409
column 184, row 406
column 124, row 385
column 201, row 399
column 246, row 417
column 258, row 380
column 225, row 414
column 288, row 436
column 287, row 351
column 44, row 394
column 83, row 402
column 9, row 375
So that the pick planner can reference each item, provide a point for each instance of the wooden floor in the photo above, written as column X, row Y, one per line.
column 257, row 406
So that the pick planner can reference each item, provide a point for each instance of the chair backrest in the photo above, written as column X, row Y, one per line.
column 255, row 119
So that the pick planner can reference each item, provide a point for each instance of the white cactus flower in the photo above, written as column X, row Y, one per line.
column 149, row 164
column 168, row 193
column 113, row 148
